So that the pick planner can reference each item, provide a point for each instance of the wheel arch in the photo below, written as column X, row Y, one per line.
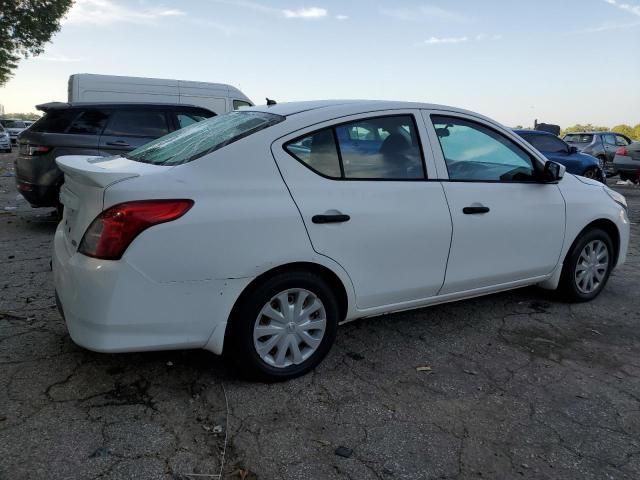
column 332, row 278
column 609, row 227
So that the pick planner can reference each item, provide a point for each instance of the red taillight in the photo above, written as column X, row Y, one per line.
column 35, row 150
column 621, row 151
column 113, row 230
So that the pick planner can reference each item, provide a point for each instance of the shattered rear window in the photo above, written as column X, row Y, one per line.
column 204, row 137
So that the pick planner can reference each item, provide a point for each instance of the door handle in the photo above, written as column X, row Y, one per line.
column 119, row 143
column 475, row 210
column 335, row 218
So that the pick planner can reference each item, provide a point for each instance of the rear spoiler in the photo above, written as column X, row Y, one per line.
column 44, row 107
column 96, row 171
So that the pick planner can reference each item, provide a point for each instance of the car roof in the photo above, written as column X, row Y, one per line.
column 292, row 108
column 591, row 133
column 64, row 105
column 528, row 130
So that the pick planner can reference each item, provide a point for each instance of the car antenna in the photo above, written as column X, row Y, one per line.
column 270, row 102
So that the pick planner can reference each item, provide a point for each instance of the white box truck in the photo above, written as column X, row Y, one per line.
column 217, row 97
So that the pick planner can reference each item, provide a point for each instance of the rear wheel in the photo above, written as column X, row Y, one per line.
column 627, row 176
column 587, row 266
column 284, row 327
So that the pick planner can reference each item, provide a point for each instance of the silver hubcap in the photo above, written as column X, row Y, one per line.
column 592, row 266
column 289, row 328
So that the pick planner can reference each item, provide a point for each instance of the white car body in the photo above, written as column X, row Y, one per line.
column 407, row 245
column 217, row 97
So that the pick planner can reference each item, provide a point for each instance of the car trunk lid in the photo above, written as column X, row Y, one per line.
column 82, row 194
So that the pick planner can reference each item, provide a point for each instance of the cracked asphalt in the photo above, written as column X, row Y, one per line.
column 518, row 386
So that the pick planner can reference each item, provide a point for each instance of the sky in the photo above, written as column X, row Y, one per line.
column 563, row 62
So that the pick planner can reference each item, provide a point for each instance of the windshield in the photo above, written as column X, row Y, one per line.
column 578, row 138
column 13, row 123
column 201, row 138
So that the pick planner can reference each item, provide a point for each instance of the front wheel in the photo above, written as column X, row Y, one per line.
column 587, row 266
column 284, row 327
column 591, row 173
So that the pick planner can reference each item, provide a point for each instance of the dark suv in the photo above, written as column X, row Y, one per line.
column 89, row 129
column 602, row 145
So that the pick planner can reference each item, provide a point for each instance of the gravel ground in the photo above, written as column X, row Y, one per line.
column 519, row 386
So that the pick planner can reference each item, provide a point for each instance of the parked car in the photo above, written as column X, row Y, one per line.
column 557, row 150
column 627, row 162
column 602, row 145
column 256, row 232
column 217, row 97
column 14, row 126
column 5, row 140
column 100, row 129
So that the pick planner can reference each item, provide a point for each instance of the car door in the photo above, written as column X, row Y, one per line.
column 507, row 227
column 375, row 213
column 130, row 128
column 610, row 147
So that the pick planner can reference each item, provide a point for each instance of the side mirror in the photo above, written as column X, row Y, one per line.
column 573, row 150
column 553, row 171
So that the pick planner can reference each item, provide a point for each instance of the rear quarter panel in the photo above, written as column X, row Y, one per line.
column 243, row 222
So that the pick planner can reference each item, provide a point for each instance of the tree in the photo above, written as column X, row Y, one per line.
column 636, row 132
column 624, row 130
column 25, row 26
column 22, row 116
column 584, row 128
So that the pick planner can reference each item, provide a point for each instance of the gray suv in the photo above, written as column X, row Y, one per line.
column 602, row 145
column 89, row 129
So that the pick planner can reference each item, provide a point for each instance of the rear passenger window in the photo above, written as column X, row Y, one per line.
column 317, row 151
column 138, row 123
column 609, row 139
column 388, row 150
column 90, row 122
column 621, row 141
column 381, row 148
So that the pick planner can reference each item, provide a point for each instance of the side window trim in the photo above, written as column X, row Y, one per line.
column 441, row 164
column 328, row 125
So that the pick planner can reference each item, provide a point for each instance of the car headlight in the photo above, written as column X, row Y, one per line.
column 616, row 197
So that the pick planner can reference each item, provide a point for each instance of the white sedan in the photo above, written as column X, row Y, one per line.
column 258, row 231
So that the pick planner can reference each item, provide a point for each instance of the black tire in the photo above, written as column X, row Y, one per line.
column 239, row 344
column 591, row 173
column 568, row 287
column 627, row 176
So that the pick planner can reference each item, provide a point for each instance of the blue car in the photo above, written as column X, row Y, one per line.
column 559, row 151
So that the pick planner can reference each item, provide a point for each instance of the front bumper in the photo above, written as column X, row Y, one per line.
column 110, row 306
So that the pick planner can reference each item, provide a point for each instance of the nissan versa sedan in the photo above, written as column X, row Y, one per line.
column 255, row 233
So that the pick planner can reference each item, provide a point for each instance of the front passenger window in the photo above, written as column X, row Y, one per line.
column 474, row 152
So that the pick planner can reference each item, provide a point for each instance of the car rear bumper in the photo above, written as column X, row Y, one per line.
column 38, row 195
column 110, row 306
column 626, row 164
